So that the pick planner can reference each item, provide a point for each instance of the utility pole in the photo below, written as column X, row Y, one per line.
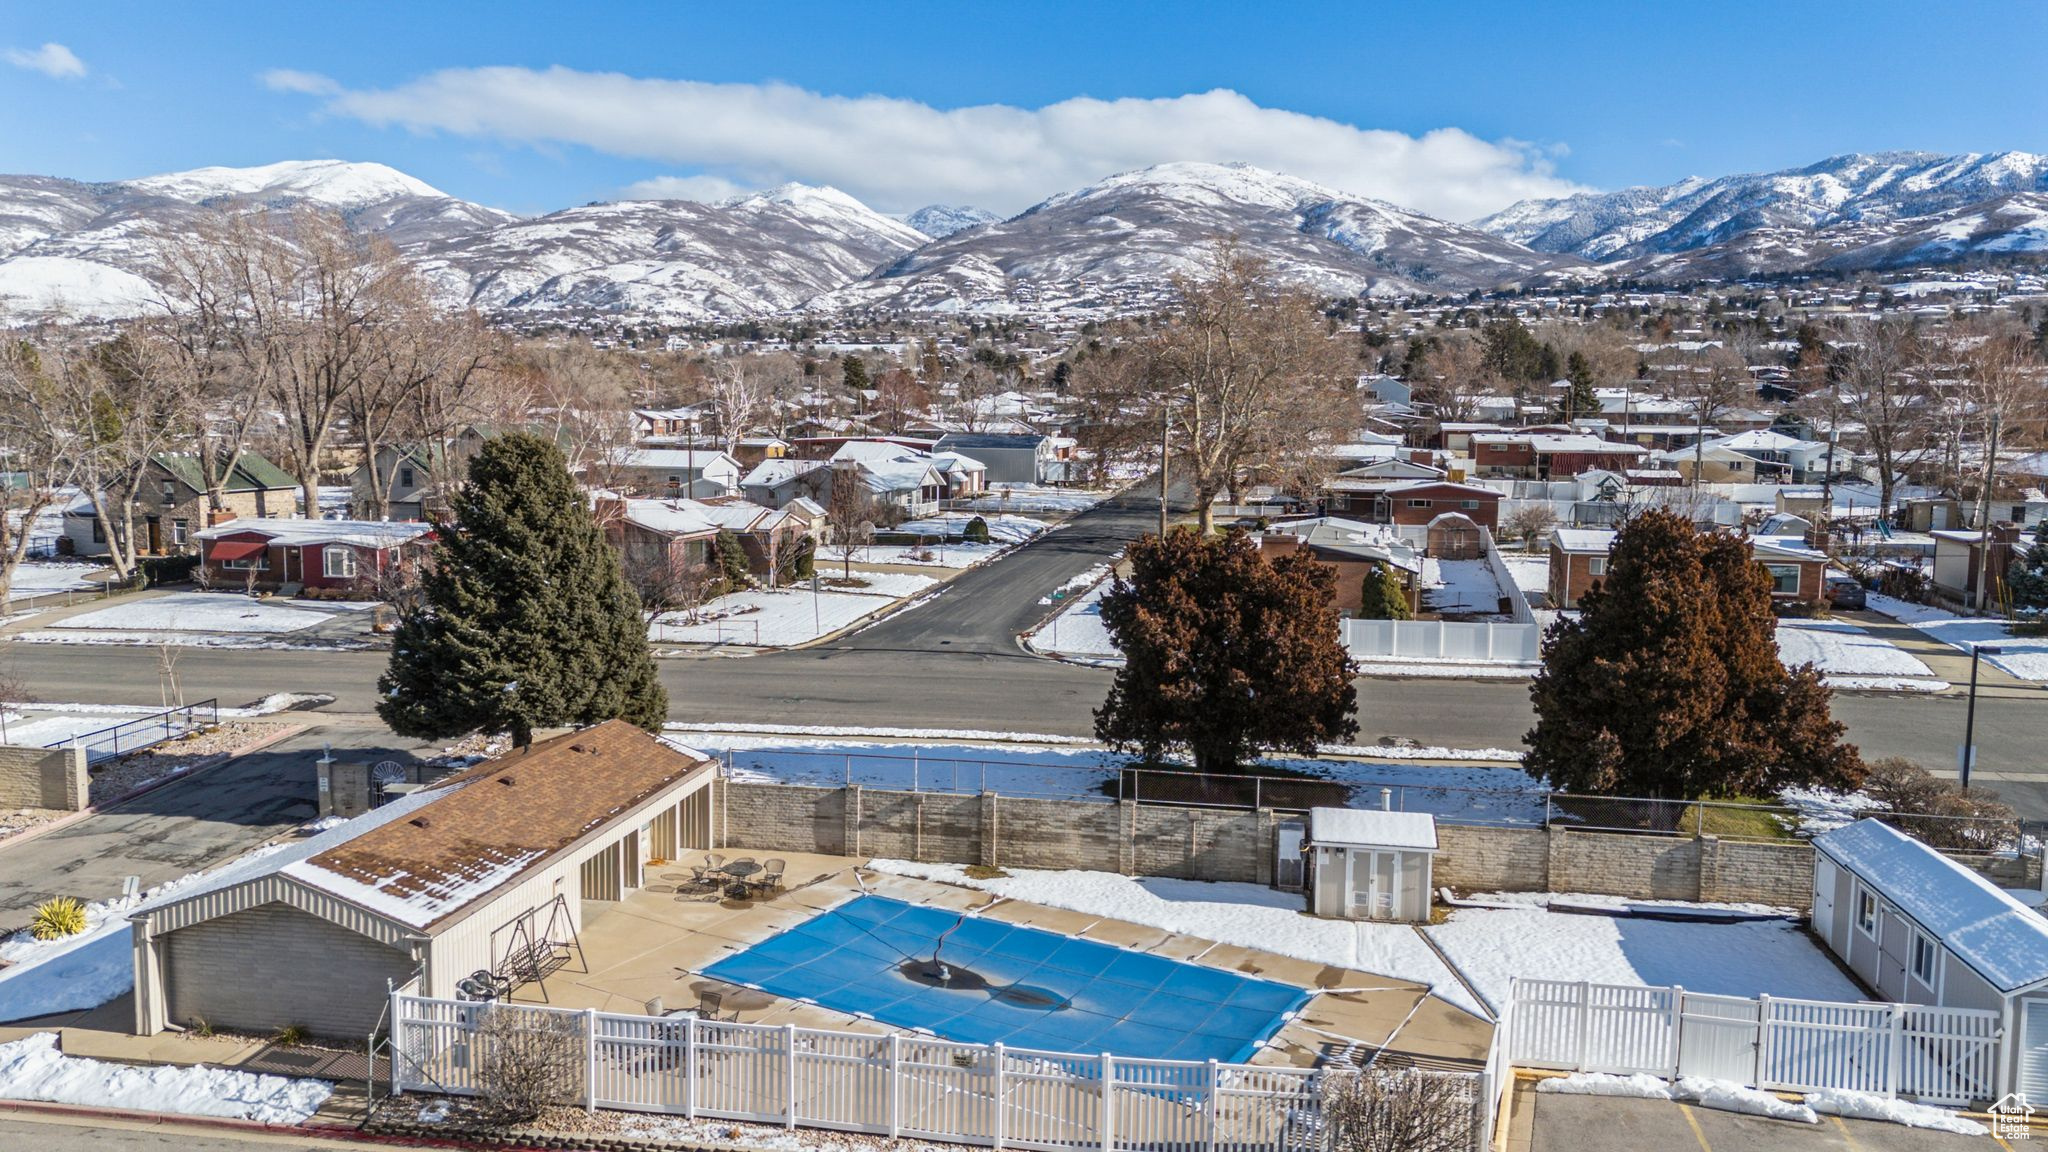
column 1984, row 517
column 1162, row 471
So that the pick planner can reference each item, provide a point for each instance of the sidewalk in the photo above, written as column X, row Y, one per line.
column 1945, row 661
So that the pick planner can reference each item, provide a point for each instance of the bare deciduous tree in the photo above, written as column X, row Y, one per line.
column 37, row 448
column 528, row 1061
column 736, row 393
column 850, row 517
column 1410, row 1110
column 1883, row 389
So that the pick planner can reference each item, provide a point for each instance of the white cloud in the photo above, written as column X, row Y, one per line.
column 293, row 80
column 52, row 60
column 900, row 154
column 686, row 188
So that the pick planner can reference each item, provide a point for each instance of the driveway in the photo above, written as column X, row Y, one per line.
column 182, row 827
column 1609, row 1124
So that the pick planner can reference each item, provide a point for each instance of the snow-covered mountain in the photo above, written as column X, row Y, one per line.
column 942, row 220
column 1771, row 221
column 1121, row 240
column 674, row 259
column 85, row 249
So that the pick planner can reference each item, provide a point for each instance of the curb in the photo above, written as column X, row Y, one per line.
column 282, row 733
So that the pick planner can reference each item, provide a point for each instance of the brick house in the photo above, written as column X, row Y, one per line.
column 1355, row 550
column 1578, row 560
column 1419, row 502
column 170, row 504
column 685, row 532
column 341, row 555
column 1796, row 570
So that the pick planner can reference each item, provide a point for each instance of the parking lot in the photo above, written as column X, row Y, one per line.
column 1606, row 1124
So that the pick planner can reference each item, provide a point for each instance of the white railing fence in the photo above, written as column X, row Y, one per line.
column 1935, row 1055
column 894, row 1085
column 1444, row 640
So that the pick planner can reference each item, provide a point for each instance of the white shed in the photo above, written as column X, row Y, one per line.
column 1370, row 864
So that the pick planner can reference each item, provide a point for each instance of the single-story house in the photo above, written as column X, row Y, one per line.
column 965, row 476
column 775, row 482
column 1022, row 458
column 1578, row 560
column 341, row 554
column 1921, row 928
column 496, row 867
column 1796, row 569
column 690, row 472
column 170, row 504
column 656, row 535
column 912, row 485
column 1355, row 549
column 1422, row 501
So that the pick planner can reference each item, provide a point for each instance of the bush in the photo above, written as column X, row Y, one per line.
column 530, row 1061
column 1409, row 1110
column 1938, row 812
column 289, row 1036
column 976, row 531
column 151, row 571
column 57, row 918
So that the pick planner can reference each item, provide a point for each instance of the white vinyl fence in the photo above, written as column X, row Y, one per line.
column 1444, row 640
column 1935, row 1055
column 895, row 1085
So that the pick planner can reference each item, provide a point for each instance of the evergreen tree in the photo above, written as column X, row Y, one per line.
column 976, row 531
column 523, row 619
column 1669, row 683
column 1225, row 653
column 732, row 559
column 1580, row 401
column 854, row 372
column 2027, row 579
column 1383, row 598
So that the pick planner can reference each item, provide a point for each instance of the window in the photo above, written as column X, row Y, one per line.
column 257, row 563
column 405, row 477
column 1596, row 566
column 1418, row 503
column 1784, row 579
column 99, row 531
column 1866, row 913
column 1469, row 505
column 1923, row 958
column 180, row 530
column 338, row 562
column 170, row 492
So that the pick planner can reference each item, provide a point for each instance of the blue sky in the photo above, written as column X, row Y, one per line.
column 533, row 106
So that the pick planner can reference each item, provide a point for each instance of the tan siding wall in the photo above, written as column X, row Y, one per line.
column 272, row 966
column 43, row 778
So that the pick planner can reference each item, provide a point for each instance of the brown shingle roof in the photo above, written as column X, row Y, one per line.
column 498, row 820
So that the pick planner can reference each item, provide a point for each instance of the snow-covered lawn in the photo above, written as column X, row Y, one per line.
column 35, row 579
column 32, row 1068
column 1002, row 529
column 1077, row 629
column 1464, row 587
column 31, row 727
column 1037, row 498
column 789, row 616
column 1531, row 573
column 2024, row 657
column 238, row 642
column 1469, row 793
column 1247, row 915
column 951, row 555
column 231, row 612
column 1493, row 946
column 1849, row 657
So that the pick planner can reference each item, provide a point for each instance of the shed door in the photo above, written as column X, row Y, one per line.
column 2033, row 1071
column 1287, row 855
column 1824, row 899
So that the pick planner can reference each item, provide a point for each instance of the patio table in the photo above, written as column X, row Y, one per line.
column 741, row 869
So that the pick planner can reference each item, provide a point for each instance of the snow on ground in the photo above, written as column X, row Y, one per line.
column 1849, row 657
column 1463, row 587
column 1037, row 498
column 950, row 555
column 788, row 616
column 1728, row 1096
column 1388, row 666
column 335, row 500
column 213, row 612
column 1871, row 1106
column 242, row 643
column 32, row 1068
column 1002, row 529
column 2024, row 657
column 1493, row 946
column 1531, row 573
column 1077, row 629
column 1636, row 1087
column 983, row 735
column 1247, row 915
column 34, row 579
column 1464, row 793
column 1821, row 810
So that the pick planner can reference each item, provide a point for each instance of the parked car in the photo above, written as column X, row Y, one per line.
column 1844, row 592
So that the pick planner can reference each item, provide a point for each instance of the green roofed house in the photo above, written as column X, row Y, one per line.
column 170, row 504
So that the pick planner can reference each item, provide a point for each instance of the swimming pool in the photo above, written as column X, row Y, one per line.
column 1024, row 987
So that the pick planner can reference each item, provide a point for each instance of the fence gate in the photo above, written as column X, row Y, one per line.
column 1717, row 1037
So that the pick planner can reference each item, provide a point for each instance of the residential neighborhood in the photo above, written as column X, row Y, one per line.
column 1085, row 614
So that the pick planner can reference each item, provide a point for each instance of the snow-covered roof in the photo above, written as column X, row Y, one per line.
column 1763, row 440
column 770, row 473
column 669, row 517
column 1542, row 442
column 1599, row 541
column 296, row 531
column 1785, row 547
column 897, row 475
column 1371, row 828
column 2000, row 938
column 680, row 459
column 874, row 451
column 955, row 462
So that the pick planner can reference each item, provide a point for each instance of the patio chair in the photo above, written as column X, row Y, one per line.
column 771, row 875
column 713, row 862
column 711, row 1006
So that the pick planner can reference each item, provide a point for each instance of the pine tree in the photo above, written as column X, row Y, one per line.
column 732, row 559
column 976, row 531
column 1383, row 598
column 524, row 619
column 1580, row 401
column 1669, row 683
column 854, row 372
column 2027, row 579
column 1225, row 653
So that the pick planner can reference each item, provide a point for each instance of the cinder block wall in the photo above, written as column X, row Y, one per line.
column 43, row 778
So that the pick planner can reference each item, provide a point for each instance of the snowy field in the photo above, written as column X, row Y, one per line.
column 1493, row 946
column 1461, row 793
column 1037, row 498
column 228, row 612
column 1531, row 573
column 789, row 616
column 2025, row 658
column 1247, row 915
column 1002, row 529
column 35, row 579
column 1850, row 657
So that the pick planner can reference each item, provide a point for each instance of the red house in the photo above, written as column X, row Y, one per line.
column 332, row 554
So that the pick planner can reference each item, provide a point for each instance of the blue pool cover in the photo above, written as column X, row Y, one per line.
column 1046, row 991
